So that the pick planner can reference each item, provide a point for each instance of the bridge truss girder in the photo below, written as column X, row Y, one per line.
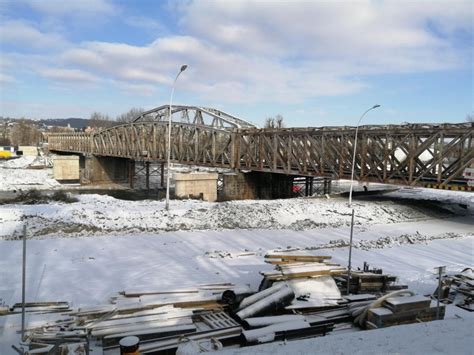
column 409, row 155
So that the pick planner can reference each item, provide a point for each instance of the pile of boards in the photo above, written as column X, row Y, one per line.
column 369, row 280
column 403, row 310
column 300, row 298
column 458, row 288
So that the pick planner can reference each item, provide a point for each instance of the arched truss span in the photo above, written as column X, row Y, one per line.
column 201, row 116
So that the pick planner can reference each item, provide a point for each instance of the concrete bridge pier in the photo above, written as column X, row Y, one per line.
column 106, row 170
column 256, row 185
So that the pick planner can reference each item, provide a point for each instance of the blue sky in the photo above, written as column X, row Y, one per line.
column 317, row 63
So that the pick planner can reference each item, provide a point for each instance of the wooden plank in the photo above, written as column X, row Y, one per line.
column 399, row 304
column 383, row 317
column 306, row 258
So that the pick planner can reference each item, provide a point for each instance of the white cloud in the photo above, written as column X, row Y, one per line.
column 368, row 32
column 144, row 22
column 6, row 79
column 26, row 36
column 71, row 8
column 42, row 110
column 260, row 51
column 69, row 75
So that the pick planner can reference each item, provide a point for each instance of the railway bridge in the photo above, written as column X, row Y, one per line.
column 408, row 154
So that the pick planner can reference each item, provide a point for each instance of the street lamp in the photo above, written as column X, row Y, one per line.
column 183, row 68
column 350, row 197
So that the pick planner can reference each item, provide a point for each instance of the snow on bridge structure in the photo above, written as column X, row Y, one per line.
column 408, row 154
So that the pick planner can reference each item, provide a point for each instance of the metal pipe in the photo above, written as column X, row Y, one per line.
column 275, row 301
column 23, row 285
column 260, row 295
column 266, row 334
column 349, row 267
column 258, row 322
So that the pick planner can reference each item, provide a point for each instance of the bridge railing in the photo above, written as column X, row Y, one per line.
column 77, row 142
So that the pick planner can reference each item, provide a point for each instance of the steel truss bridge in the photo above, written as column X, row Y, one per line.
column 410, row 154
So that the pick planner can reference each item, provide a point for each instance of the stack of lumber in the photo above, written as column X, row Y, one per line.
column 403, row 310
column 309, row 276
column 458, row 289
column 204, row 296
column 293, row 266
column 159, row 318
column 364, row 282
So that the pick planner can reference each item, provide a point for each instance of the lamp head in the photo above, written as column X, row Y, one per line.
column 183, row 68
column 375, row 106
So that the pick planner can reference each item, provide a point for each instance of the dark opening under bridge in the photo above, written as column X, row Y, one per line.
column 410, row 154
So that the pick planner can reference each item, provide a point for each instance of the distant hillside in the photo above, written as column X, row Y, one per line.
column 64, row 122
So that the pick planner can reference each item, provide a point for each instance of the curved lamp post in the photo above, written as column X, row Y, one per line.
column 183, row 68
column 350, row 197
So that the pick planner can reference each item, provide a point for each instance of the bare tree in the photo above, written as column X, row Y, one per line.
column 274, row 122
column 4, row 133
column 100, row 120
column 130, row 115
column 24, row 133
column 470, row 117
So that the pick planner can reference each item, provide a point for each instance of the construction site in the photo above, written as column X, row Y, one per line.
column 265, row 240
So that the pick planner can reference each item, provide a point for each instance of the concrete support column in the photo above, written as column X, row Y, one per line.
column 196, row 185
column 106, row 169
column 240, row 186
column 66, row 168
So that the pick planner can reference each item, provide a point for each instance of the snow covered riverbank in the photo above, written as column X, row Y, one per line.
column 103, row 215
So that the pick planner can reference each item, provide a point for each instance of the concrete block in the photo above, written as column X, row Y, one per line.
column 196, row 184
column 66, row 168
column 28, row 150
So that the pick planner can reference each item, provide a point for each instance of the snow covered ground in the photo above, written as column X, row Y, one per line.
column 86, row 251
column 15, row 177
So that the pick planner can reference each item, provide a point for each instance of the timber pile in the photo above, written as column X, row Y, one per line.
column 395, row 308
column 311, row 277
column 160, row 318
column 458, row 289
column 290, row 266
column 366, row 282
column 301, row 298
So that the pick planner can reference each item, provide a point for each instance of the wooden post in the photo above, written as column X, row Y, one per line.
column 441, row 269
column 440, row 154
